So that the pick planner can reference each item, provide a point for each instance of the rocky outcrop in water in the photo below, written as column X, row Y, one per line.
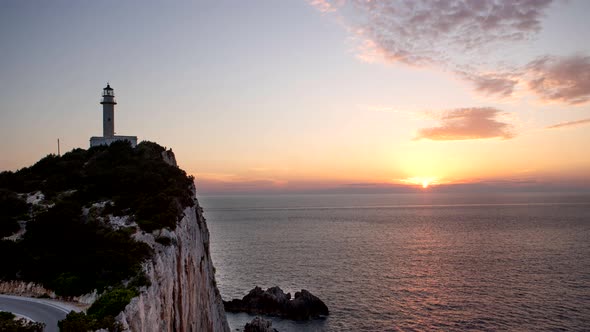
column 259, row 324
column 183, row 295
column 275, row 302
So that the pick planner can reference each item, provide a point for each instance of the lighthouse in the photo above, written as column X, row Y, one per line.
column 108, row 103
column 108, row 111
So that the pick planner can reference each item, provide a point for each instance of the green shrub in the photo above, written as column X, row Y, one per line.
column 112, row 302
column 139, row 281
column 9, row 324
column 6, row 315
column 12, row 208
column 80, row 321
column 77, row 322
column 67, row 284
column 163, row 240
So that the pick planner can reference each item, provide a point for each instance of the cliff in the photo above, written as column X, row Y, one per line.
column 183, row 295
column 118, row 228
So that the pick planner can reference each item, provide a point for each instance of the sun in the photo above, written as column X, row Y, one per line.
column 420, row 181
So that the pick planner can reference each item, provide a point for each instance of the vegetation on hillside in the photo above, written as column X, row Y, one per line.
column 9, row 323
column 68, row 246
column 11, row 209
column 102, row 313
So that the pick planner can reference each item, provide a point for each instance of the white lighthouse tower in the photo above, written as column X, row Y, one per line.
column 108, row 111
column 108, row 121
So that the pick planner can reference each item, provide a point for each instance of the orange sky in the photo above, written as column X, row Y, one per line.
column 357, row 97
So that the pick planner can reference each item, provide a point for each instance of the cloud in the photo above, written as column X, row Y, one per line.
column 322, row 5
column 467, row 124
column 422, row 32
column 564, row 79
column 462, row 36
column 501, row 84
column 570, row 124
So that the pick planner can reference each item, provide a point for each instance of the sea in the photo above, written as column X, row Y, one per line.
column 410, row 262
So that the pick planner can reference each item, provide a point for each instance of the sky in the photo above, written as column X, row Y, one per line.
column 296, row 96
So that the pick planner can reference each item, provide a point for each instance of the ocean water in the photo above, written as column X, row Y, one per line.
column 411, row 262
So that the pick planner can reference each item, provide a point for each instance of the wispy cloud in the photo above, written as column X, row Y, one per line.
column 467, row 124
column 564, row 79
column 420, row 32
column 570, row 124
column 459, row 36
column 324, row 6
column 499, row 84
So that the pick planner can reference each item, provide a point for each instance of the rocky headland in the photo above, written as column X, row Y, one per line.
column 117, row 229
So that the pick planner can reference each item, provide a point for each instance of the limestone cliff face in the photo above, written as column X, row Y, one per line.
column 183, row 295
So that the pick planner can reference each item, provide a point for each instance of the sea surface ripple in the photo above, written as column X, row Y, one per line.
column 411, row 262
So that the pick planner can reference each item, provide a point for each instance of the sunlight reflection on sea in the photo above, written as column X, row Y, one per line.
column 411, row 261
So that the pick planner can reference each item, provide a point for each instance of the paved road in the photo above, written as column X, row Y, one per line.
column 39, row 310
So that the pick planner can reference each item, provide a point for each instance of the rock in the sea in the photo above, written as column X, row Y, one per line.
column 275, row 302
column 308, row 305
column 259, row 324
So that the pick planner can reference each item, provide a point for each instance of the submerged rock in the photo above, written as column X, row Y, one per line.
column 259, row 324
column 275, row 302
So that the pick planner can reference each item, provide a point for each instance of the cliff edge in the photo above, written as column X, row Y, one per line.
column 183, row 295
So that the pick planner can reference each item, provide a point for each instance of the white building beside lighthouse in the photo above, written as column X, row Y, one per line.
column 108, row 122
